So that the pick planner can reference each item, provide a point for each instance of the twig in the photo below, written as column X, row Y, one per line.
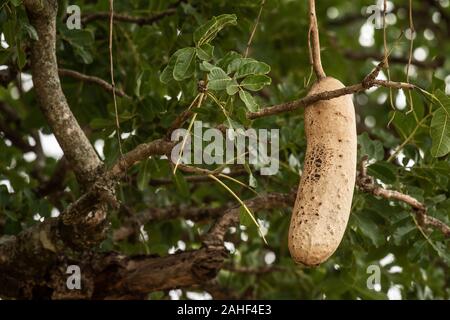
column 314, row 44
column 131, row 225
column 366, row 183
column 195, row 178
column 56, row 181
column 411, row 47
column 127, row 18
column 231, row 217
column 111, row 63
column 263, row 2
column 15, row 137
column 327, row 95
column 408, row 139
column 251, row 270
column 354, row 55
column 92, row 79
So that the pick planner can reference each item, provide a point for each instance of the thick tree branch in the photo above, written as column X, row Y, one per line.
column 27, row 258
column 76, row 146
column 141, row 275
column 141, row 152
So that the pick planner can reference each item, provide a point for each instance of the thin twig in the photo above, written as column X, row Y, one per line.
column 92, row 79
column 385, row 52
column 408, row 139
column 411, row 47
column 263, row 2
column 128, row 18
column 315, row 42
column 111, row 60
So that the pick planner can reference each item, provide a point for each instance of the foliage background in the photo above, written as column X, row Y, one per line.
column 418, row 260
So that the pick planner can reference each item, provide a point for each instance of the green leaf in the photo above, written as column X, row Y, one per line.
column 248, row 100
column 30, row 30
column 205, row 52
column 416, row 249
column 84, row 55
column 167, row 74
column 256, row 82
column 144, row 175
column 81, row 41
column 218, row 79
column 236, row 63
column 184, row 66
column 206, row 66
column 232, row 87
column 80, row 38
column 225, row 61
column 370, row 229
column 402, row 231
column 244, row 218
column 384, row 171
column 252, row 68
column 181, row 185
column 21, row 56
column 372, row 148
column 440, row 126
column 208, row 31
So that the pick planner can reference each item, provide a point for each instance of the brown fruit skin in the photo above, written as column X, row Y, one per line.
column 325, row 193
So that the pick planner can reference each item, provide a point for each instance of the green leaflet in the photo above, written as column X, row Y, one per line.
column 218, row 79
column 248, row 100
column 256, row 82
column 208, row 31
column 440, row 126
column 184, row 66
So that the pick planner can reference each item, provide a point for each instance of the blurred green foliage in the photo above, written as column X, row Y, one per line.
column 160, row 65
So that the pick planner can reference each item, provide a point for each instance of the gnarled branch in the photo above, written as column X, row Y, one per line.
column 76, row 146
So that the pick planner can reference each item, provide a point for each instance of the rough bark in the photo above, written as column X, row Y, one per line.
column 76, row 146
column 33, row 264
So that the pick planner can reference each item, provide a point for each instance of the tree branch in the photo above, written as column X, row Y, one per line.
column 76, row 146
column 28, row 257
column 132, row 224
column 141, row 152
column 366, row 183
column 144, row 20
column 327, row 95
column 354, row 55
column 314, row 43
column 15, row 138
column 142, row 275
column 91, row 79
